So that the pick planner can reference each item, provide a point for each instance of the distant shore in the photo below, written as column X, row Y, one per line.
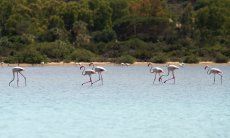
column 106, row 64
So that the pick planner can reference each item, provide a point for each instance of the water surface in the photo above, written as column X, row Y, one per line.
column 128, row 105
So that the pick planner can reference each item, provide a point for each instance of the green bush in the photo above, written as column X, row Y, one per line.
column 220, row 58
column 82, row 55
column 56, row 50
column 159, row 59
column 104, row 36
column 31, row 55
column 11, row 60
column 126, row 59
column 191, row 59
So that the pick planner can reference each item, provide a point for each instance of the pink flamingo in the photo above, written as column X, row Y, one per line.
column 98, row 70
column 88, row 72
column 155, row 70
column 214, row 71
column 17, row 70
column 171, row 68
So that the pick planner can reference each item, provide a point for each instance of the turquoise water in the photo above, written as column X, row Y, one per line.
column 128, row 105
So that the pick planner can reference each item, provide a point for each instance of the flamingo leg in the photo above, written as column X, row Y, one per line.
column 214, row 79
column 221, row 78
column 23, row 77
column 90, row 81
column 99, row 74
column 160, row 80
column 155, row 77
column 173, row 78
column 12, row 79
column 17, row 79
column 101, row 79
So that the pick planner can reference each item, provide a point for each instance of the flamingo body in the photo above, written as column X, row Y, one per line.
column 99, row 69
column 89, row 72
column 17, row 69
column 157, row 70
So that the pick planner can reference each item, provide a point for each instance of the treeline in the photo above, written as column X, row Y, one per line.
column 32, row 31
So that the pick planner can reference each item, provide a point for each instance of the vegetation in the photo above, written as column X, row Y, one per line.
column 220, row 58
column 126, row 59
column 191, row 59
column 32, row 31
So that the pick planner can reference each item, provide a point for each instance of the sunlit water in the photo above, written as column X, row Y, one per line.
column 128, row 105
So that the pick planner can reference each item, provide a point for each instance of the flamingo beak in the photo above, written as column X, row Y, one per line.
column 205, row 67
column 81, row 67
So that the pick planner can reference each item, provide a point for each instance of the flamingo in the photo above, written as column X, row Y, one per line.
column 78, row 64
column 155, row 70
column 214, row 71
column 181, row 64
column 17, row 70
column 127, row 64
column 171, row 68
column 42, row 63
column 88, row 72
column 98, row 70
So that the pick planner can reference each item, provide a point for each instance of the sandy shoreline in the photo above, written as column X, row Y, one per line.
column 105, row 64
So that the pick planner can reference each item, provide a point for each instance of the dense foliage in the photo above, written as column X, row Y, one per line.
column 32, row 31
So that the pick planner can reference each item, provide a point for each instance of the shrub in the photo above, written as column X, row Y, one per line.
column 56, row 50
column 126, row 59
column 31, row 55
column 11, row 60
column 191, row 59
column 159, row 59
column 104, row 36
column 82, row 55
column 220, row 58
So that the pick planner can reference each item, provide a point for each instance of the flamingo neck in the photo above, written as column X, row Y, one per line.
column 208, row 70
column 83, row 72
column 93, row 66
column 150, row 70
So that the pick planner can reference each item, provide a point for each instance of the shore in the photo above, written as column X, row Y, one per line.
column 105, row 64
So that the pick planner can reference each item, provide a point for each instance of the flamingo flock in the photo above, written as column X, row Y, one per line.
column 99, row 70
column 157, row 71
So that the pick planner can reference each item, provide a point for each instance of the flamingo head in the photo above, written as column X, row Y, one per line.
column 91, row 63
column 82, row 67
column 206, row 67
column 149, row 64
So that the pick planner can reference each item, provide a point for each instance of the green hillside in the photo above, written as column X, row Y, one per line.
column 32, row 31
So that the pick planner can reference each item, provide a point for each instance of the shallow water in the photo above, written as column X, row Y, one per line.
column 128, row 105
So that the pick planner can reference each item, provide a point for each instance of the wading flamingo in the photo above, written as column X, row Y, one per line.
column 214, row 71
column 98, row 70
column 155, row 70
column 170, row 68
column 42, row 63
column 78, row 64
column 127, row 64
column 88, row 72
column 181, row 64
column 17, row 70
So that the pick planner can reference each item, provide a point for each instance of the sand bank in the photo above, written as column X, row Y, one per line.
column 106, row 64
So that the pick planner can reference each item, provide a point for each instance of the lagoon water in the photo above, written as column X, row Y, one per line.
column 128, row 105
